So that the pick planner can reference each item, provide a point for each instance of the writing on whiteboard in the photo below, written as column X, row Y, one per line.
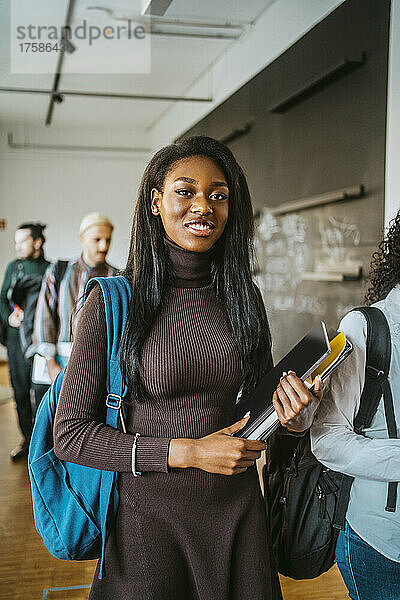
column 336, row 236
column 282, row 251
column 299, row 304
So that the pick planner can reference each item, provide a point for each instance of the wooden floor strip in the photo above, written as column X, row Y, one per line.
column 67, row 589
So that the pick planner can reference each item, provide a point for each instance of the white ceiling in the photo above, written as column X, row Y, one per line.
column 176, row 63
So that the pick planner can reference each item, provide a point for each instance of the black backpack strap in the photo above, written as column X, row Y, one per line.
column 59, row 271
column 379, row 350
column 342, row 502
column 392, row 430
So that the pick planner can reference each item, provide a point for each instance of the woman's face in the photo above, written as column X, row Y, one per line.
column 194, row 204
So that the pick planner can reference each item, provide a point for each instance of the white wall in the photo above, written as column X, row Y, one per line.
column 392, row 182
column 59, row 187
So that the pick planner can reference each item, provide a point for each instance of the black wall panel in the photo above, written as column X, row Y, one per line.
column 332, row 139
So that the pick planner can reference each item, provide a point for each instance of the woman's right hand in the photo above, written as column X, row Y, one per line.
column 218, row 452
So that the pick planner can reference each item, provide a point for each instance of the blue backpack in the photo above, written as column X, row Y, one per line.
column 74, row 506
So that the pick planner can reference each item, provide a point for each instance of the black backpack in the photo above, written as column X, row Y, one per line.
column 306, row 502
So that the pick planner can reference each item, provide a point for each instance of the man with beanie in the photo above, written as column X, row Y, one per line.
column 62, row 292
column 29, row 240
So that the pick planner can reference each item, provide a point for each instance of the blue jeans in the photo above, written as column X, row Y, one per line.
column 368, row 575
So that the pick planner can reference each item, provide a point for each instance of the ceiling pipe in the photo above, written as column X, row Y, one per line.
column 58, row 96
column 34, row 146
column 60, row 62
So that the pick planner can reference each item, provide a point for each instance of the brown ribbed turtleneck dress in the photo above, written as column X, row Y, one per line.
column 180, row 534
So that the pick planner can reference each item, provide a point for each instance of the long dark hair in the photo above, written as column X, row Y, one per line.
column 148, row 266
column 385, row 266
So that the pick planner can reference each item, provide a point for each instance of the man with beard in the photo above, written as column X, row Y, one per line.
column 62, row 290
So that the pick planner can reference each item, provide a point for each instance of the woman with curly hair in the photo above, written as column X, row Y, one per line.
column 368, row 550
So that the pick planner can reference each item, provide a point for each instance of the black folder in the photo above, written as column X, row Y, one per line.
column 303, row 359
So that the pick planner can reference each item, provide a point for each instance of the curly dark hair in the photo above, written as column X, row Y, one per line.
column 384, row 272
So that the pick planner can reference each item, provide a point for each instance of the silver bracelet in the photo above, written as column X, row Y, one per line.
column 135, row 473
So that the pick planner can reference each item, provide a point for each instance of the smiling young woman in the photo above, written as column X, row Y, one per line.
column 192, row 526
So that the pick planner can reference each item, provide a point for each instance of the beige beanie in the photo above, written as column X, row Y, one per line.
column 94, row 218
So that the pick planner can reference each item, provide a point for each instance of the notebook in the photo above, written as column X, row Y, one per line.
column 313, row 355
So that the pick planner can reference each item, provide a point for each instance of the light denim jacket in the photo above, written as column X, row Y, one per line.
column 373, row 459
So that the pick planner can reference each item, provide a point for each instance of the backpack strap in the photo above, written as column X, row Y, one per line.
column 117, row 295
column 379, row 350
column 59, row 271
column 342, row 503
column 392, row 430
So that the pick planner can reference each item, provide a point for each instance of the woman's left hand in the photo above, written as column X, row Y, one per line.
column 294, row 403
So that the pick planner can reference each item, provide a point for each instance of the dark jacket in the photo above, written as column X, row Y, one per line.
column 16, row 271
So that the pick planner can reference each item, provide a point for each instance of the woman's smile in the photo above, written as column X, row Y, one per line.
column 200, row 228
